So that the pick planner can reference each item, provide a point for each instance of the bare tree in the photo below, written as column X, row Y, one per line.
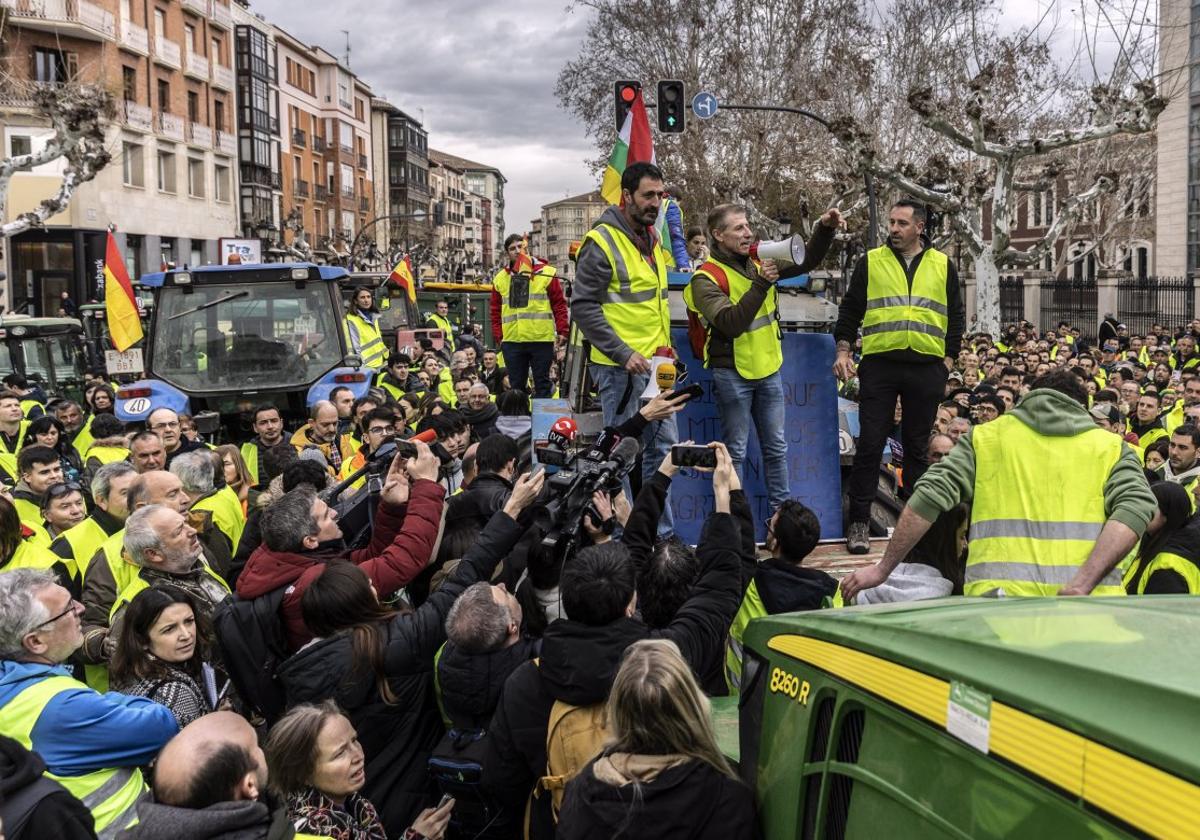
column 1011, row 135
column 77, row 113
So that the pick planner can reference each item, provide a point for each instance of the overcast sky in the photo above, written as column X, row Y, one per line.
column 479, row 75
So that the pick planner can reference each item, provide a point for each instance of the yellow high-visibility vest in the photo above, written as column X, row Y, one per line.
column 1029, row 537
column 535, row 320
column 366, row 340
column 757, row 352
column 635, row 305
column 899, row 318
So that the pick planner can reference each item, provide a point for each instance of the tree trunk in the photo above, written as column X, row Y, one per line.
column 987, row 292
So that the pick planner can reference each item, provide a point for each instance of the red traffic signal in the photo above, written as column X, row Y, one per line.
column 626, row 91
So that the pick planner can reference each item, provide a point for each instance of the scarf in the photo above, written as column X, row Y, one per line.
column 483, row 416
column 312, row 812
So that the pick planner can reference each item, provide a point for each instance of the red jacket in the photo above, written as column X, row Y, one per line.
column 558, row 305
column 402, row 544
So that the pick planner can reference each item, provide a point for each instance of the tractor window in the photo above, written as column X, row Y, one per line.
column 237, row 336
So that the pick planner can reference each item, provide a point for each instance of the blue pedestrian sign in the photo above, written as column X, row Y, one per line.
column 704, row 105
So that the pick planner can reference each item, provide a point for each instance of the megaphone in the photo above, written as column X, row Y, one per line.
column 789, row 251
column 665, row 371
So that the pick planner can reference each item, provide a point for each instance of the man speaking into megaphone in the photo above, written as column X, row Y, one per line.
column 734, row 315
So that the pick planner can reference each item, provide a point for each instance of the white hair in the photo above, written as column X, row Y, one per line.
column 140, row 535
column 20, row 610
column 195, row 471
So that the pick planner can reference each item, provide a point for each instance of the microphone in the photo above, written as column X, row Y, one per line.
column 626, row 452
column 665, row 376
column 603, row 447
column 562, row 433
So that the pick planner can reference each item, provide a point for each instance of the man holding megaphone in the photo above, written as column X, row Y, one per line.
column 732, row 296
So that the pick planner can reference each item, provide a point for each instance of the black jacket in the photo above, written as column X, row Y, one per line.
column 396, row 738
column 470, row 684
column 242, row 820
column 690, row 802
column 785, row 587
column 578, row 664
column 486, row 495
column 33, row 806
column 854, row 306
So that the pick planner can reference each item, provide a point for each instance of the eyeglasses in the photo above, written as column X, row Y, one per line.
column 379, row 430
column 62, row 489
column 171, row 424
column 68, row 611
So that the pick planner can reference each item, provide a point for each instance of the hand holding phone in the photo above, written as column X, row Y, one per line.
column 701, row 457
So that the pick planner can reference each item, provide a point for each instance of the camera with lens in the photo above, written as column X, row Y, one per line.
column 567, row 496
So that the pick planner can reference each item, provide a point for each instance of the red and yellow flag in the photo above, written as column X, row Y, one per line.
column 402, row 276
column 124, row 324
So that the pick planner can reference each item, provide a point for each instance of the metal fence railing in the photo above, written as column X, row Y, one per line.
column 1069, row 300
column 1145, row 301
column 1012, row 300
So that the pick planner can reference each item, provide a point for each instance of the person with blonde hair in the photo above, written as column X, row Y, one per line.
column 661, row 765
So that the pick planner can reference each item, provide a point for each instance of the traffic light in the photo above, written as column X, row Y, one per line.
column 671, row 107
column 625, row 93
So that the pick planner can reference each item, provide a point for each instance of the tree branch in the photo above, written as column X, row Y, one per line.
column 1067, row 214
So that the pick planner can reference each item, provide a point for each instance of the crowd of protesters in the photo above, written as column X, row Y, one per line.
column 315, row 634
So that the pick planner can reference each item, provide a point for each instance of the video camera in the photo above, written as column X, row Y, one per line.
column 567, row 496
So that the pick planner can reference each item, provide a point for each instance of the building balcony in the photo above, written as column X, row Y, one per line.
column 347, row 191
column 222, row 76
column 321, row 193
column 302, row 189
column 226, row 143
column 171, row 126
column 346, row 152
column 65, row 18
column 318, row 144
column 221, row 15
column 134, row 38
column 299, row 138
column 137, row 116
column 196, row 66
column 200, row 7
column 364, row 204
column 200, row 135
column 362, row 161
column 167, row 53
column 345, row 103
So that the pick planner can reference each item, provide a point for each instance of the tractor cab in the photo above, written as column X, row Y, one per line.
column 223, row 339
column 48, row 352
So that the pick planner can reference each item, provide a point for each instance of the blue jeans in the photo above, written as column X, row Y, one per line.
column 740, row 399
column 521, row 356
column 658, row 438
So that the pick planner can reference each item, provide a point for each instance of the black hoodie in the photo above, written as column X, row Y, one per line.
column 692, row 801
column 470, row 684
column 578, row 664
column 32, row 806
column 785, row 587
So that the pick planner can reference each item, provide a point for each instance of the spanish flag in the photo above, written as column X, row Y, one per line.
column 124, row 324
column 402, row 276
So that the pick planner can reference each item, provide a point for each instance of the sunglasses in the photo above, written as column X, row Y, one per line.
column 62, row 489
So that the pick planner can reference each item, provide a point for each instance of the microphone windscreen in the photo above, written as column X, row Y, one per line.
column 427, row 436
column 665, row 375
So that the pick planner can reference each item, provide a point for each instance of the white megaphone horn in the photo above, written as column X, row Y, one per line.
column 789, row 251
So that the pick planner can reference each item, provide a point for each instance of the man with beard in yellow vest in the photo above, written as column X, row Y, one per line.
column 529, row 311
column 619, row 301
column 905, row 297
column 93, row 744
column 1056, row 501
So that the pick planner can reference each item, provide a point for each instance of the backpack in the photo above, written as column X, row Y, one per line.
column 697, row 329
column 456, row 766
column 253, row 646
column 574, row 736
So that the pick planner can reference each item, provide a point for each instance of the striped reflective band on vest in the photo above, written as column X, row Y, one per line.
column 626, row 294
column 1032, row 573
column 763, row 321
column 904, row 326
column 923, row 302
column 1035, row 530
column 528, row 316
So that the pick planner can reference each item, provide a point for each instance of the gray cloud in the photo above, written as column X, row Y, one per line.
column 482, row 75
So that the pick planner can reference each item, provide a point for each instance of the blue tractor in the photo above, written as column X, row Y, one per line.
column 224, row 339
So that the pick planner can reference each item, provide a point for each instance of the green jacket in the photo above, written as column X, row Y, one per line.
column 1127, row 496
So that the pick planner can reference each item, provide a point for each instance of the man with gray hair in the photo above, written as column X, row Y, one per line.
column 166, row 549
column 211, row 499
column 483, row 646
column 321, row 433
column 110, row 570
column 93, row 744
column 110, row 488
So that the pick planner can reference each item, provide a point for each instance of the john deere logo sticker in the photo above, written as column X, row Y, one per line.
column 969, row 715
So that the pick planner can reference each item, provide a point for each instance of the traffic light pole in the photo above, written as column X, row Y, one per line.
column 869, row 182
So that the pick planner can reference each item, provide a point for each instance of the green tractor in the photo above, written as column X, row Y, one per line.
column 49, row 352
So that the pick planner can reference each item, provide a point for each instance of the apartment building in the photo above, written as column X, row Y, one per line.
column 260, row 183
column 400, row 158
column 488, row 182
column 447, row 190
column 169, row 191
column 325, row 139
column 1177, row 197
column 564, row 222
